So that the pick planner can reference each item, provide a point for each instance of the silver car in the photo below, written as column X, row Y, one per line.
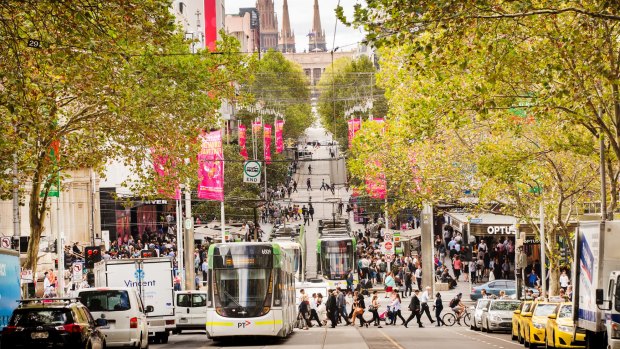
column 498, row 315
column 481, row 306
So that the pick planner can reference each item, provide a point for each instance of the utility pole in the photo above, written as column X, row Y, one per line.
column 189, row 240
column 603, row 176
column 543, row 263
column 427, row 247
column 180, row 249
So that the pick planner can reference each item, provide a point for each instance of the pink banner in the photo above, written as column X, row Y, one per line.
column 279, row 139
column 256, row 127
column 354, row 126
column 376, row 187
column 211, row 167
column 163, row 165
column 243, row 151
column 267, row 143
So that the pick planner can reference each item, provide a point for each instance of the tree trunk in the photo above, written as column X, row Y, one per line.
column 36, row 216
column 553, row 258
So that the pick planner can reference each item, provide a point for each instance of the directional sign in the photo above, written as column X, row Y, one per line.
column 387, row 236
column 5, row 242
column 251, row 172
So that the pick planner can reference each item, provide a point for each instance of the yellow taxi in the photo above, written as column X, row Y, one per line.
column 535, row 322
column 560, row 329
column 516, row 319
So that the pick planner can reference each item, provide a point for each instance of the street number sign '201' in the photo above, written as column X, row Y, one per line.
column 251, row 172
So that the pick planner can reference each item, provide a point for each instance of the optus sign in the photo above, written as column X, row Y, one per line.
column 501, row 230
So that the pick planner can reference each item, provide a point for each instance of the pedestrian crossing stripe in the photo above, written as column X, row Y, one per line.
column 219, row 323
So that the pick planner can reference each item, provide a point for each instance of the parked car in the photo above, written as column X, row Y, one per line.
column 535, row 322
column 477, row 311
column 498, row 315
column 517, row 333
column 58, row 323
column 190, row 310
column 123, row 310
column 494, row 287
column 560, row 328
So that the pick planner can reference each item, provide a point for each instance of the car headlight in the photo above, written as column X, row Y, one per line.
column 496, row 318
column 568, row 329
column 538, row 325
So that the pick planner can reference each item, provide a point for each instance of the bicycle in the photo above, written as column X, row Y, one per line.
column 450, row 318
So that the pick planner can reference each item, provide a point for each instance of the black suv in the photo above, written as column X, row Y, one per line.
column 53, row 323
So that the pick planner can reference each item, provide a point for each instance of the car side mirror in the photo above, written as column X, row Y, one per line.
column 517, row 312
column 149, row 309
column 599, row 296
column 101, row 322
column 528, row 314
column 553, row 316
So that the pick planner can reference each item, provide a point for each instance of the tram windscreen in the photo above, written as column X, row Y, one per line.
column 295, row 254
column 242, row 275
column 336, row 258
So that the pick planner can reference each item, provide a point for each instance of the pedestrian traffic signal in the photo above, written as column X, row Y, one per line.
column 148, row 253
column 92, row 255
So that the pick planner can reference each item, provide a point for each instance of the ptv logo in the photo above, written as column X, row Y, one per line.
column 243, row 324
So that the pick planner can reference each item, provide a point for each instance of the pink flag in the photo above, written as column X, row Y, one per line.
column 267, row 139
column 242, row 139
column 163, row 166
column 256, row 127
column 354, row 126
column 279, row 139
column 211, row 167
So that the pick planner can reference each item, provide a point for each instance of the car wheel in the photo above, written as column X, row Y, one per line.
column 521, row 339
column 488, row 328
column 533, row 346
column 164, row 338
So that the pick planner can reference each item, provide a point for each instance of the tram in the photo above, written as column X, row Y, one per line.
column 335, row 249
column 291, row 241
column 253, row 291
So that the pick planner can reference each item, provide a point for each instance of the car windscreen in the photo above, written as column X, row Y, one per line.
column 504, row 306
column 191, row 300
column 40, row 317
column 544, row 309
column 108, row 300
column 566, row 312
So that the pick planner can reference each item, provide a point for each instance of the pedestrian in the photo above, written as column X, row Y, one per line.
column 472, row 271
column 304, row 310
column 424, row 308
column 418, row 277
column 395, row 306
column 438, row 309
column 358, row 309
column 564, row 281
column 323, row 186
column 341, row 303
column 311, row 211
column 205, row 268
column 414, row 307
column 332, row 307
column 308, row 185
column 313, row 307
column 294, row 186
column 374, row 309
column 457, row 265
column 389, row 284
column 309, row 169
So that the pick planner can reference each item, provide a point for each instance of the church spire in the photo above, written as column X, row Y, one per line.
column 316, row 40
column 287, row 38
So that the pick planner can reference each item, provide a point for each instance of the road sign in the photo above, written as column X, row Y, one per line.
column 387, row 237
column 26, row 276
column 77, row 269
column 251, row 172
column 5, row 242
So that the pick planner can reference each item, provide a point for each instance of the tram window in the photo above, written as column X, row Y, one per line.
column 279, row 284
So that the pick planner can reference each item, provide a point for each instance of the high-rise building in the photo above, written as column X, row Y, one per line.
column 316, row 37
column 268, row 25
column 287, row 36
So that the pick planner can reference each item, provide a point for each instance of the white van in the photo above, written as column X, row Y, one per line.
column 190, row 310
column 122, row 308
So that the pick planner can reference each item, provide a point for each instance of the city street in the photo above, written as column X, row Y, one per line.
column 389, row 337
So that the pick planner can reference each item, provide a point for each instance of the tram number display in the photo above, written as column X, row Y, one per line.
column 266, row 251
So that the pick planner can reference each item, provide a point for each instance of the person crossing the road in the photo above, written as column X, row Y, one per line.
column 324, row 186
column 308, row 185
column 415, row 308
column 438, row 308
column 332, row 308
column 341, row 303
column 309, row 169
column 424, row 299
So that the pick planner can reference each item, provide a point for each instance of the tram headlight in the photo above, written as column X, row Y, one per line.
column 218, row 310
column 265, row 311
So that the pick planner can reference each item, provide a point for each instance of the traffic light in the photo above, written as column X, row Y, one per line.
column 92, row 255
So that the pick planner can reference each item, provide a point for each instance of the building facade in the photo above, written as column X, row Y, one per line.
column 287, row 36
column 268, row 22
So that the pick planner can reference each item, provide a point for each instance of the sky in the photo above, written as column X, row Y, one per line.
column 301, row 14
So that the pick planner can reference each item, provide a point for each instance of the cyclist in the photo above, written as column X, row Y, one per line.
column 457, row 306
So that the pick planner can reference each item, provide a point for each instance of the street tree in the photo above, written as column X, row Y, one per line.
column 97, row 81
column 349, row 82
